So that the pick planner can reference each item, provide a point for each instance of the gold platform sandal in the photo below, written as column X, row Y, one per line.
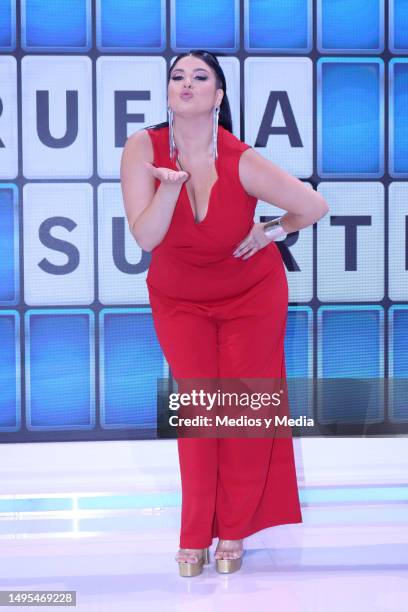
column 227, row 566
column 193, row 568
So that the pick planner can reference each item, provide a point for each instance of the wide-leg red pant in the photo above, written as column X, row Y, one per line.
column 231, row 487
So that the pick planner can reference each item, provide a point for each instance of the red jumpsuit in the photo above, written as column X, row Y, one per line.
column 216, row 315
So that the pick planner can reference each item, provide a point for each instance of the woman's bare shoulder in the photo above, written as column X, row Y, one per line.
column 140, row 144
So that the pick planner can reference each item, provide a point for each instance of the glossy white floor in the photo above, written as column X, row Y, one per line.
column 117, row 552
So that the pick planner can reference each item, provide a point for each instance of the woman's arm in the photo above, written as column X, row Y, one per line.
column 148, row 213
column 270, row 183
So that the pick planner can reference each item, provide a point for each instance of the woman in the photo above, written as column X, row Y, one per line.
column 219, row 296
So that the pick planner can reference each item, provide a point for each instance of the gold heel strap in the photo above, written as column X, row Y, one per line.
column 189, row 569
column 200, row 558
column 227, row 566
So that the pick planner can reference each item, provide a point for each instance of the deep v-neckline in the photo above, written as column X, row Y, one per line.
column 210, row 197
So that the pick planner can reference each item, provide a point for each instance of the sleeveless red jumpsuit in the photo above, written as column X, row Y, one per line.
column 216, row 315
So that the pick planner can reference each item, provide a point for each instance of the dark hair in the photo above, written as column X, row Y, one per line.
column 211, row 60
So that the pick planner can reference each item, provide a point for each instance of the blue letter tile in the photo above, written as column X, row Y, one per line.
column 350, row 26
column 62, row 25
column 131, row 361
column 276, row 25
column 212, row 25
column 60, row 373
column 131, row 26
column 350, row 117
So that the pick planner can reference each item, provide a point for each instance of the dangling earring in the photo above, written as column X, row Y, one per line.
column 172, row 144
column 215, row 130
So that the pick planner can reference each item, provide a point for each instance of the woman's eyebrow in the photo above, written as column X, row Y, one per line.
column 195, row 69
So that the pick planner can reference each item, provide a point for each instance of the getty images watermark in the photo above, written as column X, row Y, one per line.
column 230, row 407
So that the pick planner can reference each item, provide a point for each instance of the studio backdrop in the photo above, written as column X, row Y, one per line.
column 318, row 87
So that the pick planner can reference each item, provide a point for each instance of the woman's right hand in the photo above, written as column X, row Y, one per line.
column 167, row 176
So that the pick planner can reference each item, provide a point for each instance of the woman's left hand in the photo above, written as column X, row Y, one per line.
column 253, row 242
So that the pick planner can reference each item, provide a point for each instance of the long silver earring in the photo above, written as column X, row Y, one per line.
column 215, row 130
column 172, row 144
